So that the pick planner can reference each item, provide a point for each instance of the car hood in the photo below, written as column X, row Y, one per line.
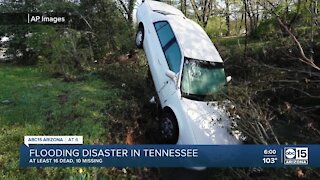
column 193, row 40
column 209, row 122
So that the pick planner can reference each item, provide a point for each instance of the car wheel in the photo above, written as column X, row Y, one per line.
column 169, row 129
column 139, row 37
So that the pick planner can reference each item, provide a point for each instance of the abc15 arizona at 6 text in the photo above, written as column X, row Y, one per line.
column 296, row 156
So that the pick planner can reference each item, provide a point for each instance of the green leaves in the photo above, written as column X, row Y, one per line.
column 97, row 28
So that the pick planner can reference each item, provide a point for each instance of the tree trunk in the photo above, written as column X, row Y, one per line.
column 184, row 7
column 205, row 11
column 248, row 8
column 130, row 10
column 227, row 18
column 242, row 16
column 196, row 11
column 246, row 26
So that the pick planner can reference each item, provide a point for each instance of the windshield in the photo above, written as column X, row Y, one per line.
column 202, row 78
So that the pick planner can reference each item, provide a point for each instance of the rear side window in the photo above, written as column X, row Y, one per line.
column 164, row 32
column 169, row 45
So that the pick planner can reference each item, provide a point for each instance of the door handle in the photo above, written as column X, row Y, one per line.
column 163, row 86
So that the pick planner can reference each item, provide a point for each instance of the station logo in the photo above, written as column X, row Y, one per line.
column 296, row 155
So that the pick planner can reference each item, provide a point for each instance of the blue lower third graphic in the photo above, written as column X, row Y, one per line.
column 169, row 155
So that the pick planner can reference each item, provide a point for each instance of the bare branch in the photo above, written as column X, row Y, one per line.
column 195, row 8
column 303, row 58
column 124, row 6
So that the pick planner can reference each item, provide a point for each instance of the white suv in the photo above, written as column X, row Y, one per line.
column 185, row 67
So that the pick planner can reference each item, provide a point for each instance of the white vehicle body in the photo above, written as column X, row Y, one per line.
column 199, row 122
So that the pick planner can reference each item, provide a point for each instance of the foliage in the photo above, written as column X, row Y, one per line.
column 267, row 29
column 70, row 48
column 216, row 27
column 108, row 27
column 273, row 95
column 17, row 46
column 61, row 51
column 20, row 33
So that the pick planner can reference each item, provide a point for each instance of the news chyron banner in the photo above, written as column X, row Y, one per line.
column 69, row 151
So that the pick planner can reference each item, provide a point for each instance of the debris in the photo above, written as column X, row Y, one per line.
column 124, row 171
column 6, row 102
column 63, row 98
column 39, row 85
column 299, row 173
column 152, row 100
column 80, row 170
column 130, row 137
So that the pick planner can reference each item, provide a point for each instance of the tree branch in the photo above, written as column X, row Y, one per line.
column 195, row 8
column 303, row 58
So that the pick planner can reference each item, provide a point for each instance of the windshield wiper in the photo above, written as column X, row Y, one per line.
column 193, row 96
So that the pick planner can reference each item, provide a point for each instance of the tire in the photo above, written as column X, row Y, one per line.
column 169, row 129
column 139, row 37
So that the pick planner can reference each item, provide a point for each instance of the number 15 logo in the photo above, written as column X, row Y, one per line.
column 302, row 153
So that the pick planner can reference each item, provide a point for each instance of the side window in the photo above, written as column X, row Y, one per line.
column 164, row 32
column 169, row 45
column 173, row 56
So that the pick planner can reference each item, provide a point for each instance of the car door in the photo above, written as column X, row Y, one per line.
column 171, row 59
column 154, row 53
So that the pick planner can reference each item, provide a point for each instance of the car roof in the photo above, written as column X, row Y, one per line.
column 193, row 40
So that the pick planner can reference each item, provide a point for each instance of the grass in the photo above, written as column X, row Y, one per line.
column 110, row 106
column 230, row 41
column 32, row 103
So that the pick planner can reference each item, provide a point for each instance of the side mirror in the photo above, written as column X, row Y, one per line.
column 171, row 75
column 229, row 78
